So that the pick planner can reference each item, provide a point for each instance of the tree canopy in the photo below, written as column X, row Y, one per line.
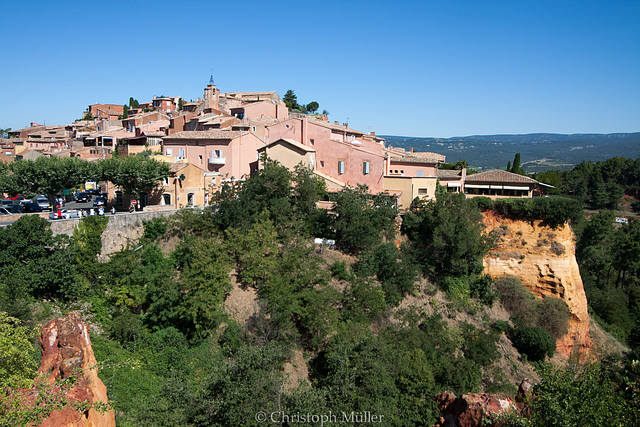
column 134, row 173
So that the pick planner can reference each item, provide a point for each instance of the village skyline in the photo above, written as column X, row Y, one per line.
column 418, row 69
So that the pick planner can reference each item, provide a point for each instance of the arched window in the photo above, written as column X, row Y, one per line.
column 166, row 199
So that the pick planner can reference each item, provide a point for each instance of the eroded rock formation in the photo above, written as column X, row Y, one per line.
column 66, row 348
column 470, row 410
column 544, row 260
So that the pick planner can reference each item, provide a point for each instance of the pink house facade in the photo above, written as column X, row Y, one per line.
column 345, row 155
column 220, row 152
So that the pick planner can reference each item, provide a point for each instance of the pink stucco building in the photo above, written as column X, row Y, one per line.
column 347, row 156
column 224, row 152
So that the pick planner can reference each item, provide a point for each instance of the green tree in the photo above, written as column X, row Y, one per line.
column 46, row 175
column 534, row 342
column 87, row 116
column 125, row 111
column 579, row 397
column 134, row 173
column 4, row 133
column 516, row 168
column 180, row 104
column 362, row 219
column 447, row 235
column 290, row 99
column 313, row 106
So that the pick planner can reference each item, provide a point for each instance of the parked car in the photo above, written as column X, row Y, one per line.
column 6, row 202
column 65, row 213
column 83, row 197
column 30, row 206
column 14, row 208
column 43, row 202
column 3, row 211
column 99, row 201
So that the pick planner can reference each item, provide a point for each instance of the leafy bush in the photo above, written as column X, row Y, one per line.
column 340, row 271
column 154, row 228
column 394, row 269
column 482, row 288
column 479, row 346
column 515, row 298
column 553, row 316
column 447, row 236
column 534, row 342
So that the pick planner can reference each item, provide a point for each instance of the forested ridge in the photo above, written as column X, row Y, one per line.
column 171, row 353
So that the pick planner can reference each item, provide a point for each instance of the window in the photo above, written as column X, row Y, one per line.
column 200, row 157
column 312, row 141
column 420, row 173
column 216, row 154
column 253, row 128
column 191, row 199
column 366, row 168
column 119, row 198
column 169, row 152
column 321, row 163
column 422, row 192
column 181, row 155
column 166, row 199
column 341, row 167
column 165, row 181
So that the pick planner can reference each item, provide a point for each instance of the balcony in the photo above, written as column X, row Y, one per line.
column 217, row 160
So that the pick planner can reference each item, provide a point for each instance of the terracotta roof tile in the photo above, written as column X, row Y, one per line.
column 449, row 174
column 499, row 175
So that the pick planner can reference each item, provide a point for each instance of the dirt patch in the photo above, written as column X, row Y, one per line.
column 168, row 244
column 296, row 371
column 241, row 303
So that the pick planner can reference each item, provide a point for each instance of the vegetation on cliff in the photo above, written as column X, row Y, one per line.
column 173, row 354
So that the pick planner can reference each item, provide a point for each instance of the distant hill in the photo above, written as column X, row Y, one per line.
column 539, row 151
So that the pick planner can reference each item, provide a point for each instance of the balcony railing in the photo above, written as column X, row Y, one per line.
column 217, row 160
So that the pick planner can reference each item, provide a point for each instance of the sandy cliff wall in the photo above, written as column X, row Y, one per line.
column 544, row 260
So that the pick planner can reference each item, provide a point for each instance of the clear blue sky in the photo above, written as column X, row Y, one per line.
column 416, row 68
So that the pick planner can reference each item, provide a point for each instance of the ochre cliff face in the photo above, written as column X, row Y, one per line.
column 544, row 260
column 66, row 346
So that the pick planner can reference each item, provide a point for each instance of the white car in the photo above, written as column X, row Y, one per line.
column 65, row 214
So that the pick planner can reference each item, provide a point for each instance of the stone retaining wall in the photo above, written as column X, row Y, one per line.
column 122, row 229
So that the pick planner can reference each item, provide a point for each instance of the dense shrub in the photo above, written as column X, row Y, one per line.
column 394, row 269
column 447, row 236
column 553, row 211
column 515, row 298
column 553, row 316
column 154, row 228
column 534, row 342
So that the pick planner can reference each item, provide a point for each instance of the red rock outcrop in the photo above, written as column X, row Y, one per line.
column 66, row 347
column 470, row 410
column 544, row 260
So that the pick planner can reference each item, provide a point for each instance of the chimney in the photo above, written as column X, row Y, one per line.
column 336, row 123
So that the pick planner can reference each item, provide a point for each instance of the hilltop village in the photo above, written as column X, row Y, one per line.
column 220, row 137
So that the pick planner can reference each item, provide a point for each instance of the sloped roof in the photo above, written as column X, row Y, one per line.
column 499, row 175
column 296, row 144
column 207, row 134
column 449, row 174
